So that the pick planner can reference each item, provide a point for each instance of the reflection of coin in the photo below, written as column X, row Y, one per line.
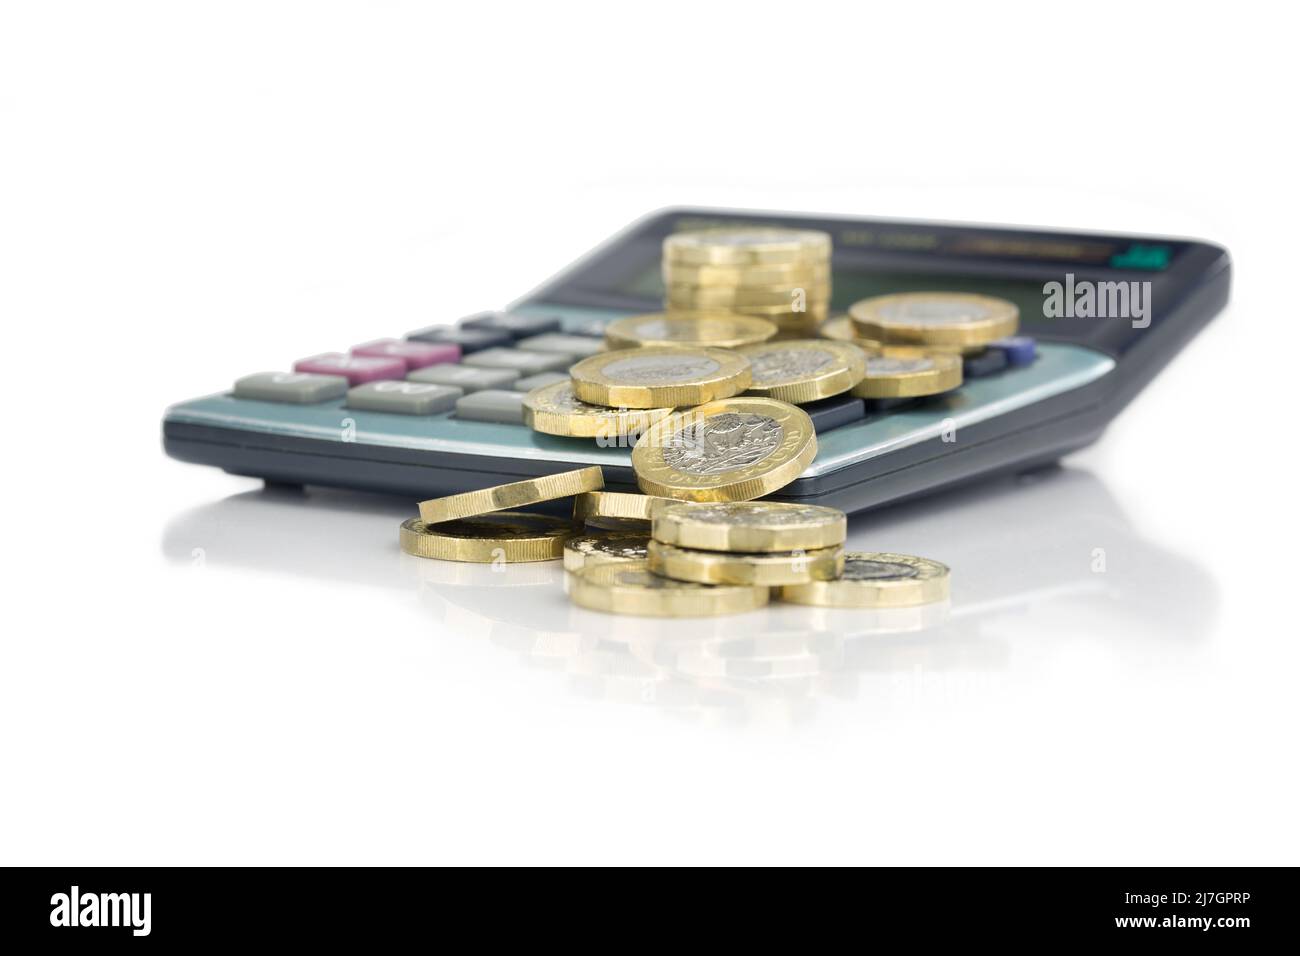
column 792, row 275
column 659, row 377
column 896, row 374
column 555, row 410
column 876, row 580
column 714, row 329
column 587, row 550
column 730, row 450
column 803, row 370
column 628, row 587
column 505, row 536
column 517, row 494
column 749, row 526
column 935, row 318
column 720, row 567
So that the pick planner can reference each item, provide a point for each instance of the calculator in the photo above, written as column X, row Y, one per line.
column 438, row 410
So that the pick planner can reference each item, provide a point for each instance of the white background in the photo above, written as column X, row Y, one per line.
column 189, row 192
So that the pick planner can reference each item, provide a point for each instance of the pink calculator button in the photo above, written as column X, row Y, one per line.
column 357, row 369
column 414, row 354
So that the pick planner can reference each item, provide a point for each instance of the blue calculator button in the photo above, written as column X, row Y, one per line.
column 469, row 340
column 1020, row 350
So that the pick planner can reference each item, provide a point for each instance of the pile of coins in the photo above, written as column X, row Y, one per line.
column 707, row 395
column 664, row 557
column 782, row 275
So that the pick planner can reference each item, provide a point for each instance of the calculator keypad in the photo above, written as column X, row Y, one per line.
column 517, row 325
column 414, row 354
column 298, row 388
column 467, row 340
column 465, row 378
column 525, row 363
column 357, row 369
column 404, row 398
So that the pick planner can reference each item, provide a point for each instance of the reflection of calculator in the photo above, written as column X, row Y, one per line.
column 439, row 411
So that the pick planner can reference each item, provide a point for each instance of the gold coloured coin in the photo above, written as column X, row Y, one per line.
column 730, row 450
column 509, row 536
column 737, row 298
column 619, row 505
column 935, row 318
column 740, row 246
column 895, row 375
column 749, row 526
column 803, row 370
column 555, row 410
column 837, row 327
column 767, row 569
column 876, row 580
column 796, row 274
column 722, row 330
column 588, row 550
column 629, row 587
column 517, row 494
column 659, row 377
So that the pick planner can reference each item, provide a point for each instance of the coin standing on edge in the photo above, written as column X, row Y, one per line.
column 629, row 587
column 769, row 570
column 803, row 370
column 750, row 526
column 899, row 375
column 509, row 536
column 517, row 494
column 555, row 410
column 935, row 318
column 589, row 550
column 876, row 580
column 660, row 377
column 721, row 330
column 730, row 450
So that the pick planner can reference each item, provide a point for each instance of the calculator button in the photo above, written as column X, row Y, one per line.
column 465, row 378
column 468, row 340
column 300, row 388
column 574, row 346
column 414, row 354
column 357, row 369
column 492, row 405
column 1020, row 350
column 988, row 362
column 517, row 325
column 586, row 326
column 405, row 398
column 538, row 380
column 525, row 363
column 833, row 412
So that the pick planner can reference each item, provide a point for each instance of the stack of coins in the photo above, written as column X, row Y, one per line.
column 781, row 275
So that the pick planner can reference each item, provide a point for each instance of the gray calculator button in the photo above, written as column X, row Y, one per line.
column 538, row 380
column 525, row 363
column 492, row 405
column 405, row 398
column 516, row 325
column 575, row 346
column 301, row 388
column 465, row 378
